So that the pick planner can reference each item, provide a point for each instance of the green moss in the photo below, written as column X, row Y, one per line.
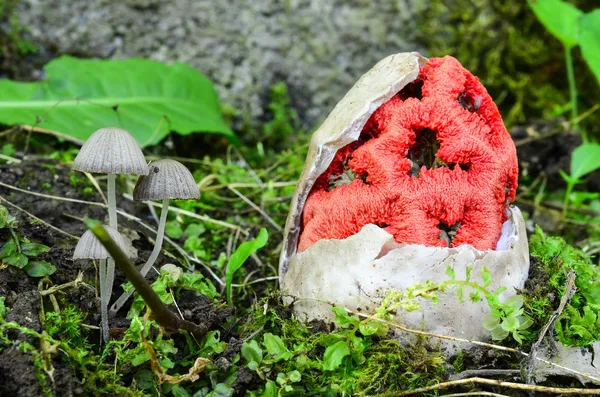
column 552, row 259
column 518, row 61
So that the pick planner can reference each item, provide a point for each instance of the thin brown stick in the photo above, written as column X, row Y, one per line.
column 29, row 128
column 530, row 364
column 497, row 383
column 160, row 311
column 71, row 284
column 257, row 208
column 476, row 393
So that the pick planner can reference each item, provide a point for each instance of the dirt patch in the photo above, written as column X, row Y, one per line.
column 19, row 371
column 544, row 147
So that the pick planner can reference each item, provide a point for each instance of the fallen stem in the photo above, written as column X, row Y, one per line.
column 71, row 284
column 494, row 382
column 160, row 312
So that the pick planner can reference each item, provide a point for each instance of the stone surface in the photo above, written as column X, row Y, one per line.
column 318, row 48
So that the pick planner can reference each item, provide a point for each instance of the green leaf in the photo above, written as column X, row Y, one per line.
column 585, row 159
column 486, row 276
column 34, row 249
column 179, row 391
column 39, row 269
column 239, row 257
column 589, row 40
column 450, row 272
column 276, row 348
column 222, row 390
column 3, row 217
column 9, row 248
column 295, row 376
column 3, row 309
column 334, row 355
column 510, row 323
column 144, row 379
column 270, row 389
column 80, row 96
column 490, row 322
column 343, row 318
column 515, row 302
column 252, row 352
column 194, row 229
column 559, row 17
column 499, row 333
column 173, row 230
column 16, row 259
column 140, row 358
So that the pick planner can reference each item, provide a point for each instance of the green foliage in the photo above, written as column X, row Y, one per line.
column 589, row 40
column 572, row 27
column 284, row 120
column 240, row 256
column 169, row 284
column 145, row 97
column 18, row 251
column 578, row 325
column 560, row 18
column 503, row 43
column 3, row 309
column 584, row 160
column 292, row 359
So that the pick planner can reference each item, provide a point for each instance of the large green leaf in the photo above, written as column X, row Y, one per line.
column 559, row 17
column 145, row 97
column 585, row 159
column 589, row 40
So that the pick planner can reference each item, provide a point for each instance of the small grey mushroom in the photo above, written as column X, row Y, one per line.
column 89, row 247
column 168, row 179
column 111, row 151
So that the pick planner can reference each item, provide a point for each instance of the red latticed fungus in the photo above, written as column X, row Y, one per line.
column 434, row 165
column 410, row 175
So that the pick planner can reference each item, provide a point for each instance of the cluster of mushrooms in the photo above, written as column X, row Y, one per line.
column 114, row 151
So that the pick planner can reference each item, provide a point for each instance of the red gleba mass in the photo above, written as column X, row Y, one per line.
column 434, row 165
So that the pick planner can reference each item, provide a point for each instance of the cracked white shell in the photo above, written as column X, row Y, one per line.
column 357, row 271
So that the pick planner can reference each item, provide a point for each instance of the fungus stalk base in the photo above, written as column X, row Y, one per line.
column 110, row 268
column 112, row 201
column 153, row 256
column 103, row 292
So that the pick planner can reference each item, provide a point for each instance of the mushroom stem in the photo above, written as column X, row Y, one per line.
column 159, row 238
column 153, row 256
column 112, row 201
column 107, row 286
column 103, row 291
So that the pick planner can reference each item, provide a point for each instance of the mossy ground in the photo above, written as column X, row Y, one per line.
column 49, row 344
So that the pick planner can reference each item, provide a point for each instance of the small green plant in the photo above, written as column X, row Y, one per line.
column 19, row 252
column 354, row 359
column 584, row 160
column 240, row 256
column 572, row 27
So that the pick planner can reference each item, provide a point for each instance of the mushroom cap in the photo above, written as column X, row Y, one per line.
column 111, row 150
column 168, row 179
column 89, row 247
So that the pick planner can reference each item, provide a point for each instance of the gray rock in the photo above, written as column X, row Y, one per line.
column 319, row 48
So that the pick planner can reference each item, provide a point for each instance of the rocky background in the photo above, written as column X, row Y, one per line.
column 318, row 48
